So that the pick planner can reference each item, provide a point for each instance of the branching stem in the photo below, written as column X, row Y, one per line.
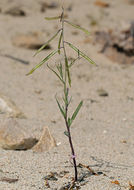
column 63, row 73
column 66, row 91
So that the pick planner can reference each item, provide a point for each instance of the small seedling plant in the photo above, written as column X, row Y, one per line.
column 62, row 71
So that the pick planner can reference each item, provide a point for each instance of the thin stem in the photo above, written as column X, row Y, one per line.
column 71, row 144
column 63, row 43
column 66, row 100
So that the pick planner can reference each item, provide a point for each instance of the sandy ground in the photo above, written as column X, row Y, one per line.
column 103, row 134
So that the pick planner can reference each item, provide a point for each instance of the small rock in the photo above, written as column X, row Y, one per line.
column 118, row 45
column 123, row 141
column 131, row 2
column 70, row 7
column 46, row 141
column 45, row 6
column 58, row 144
column 102, row 92
column 29, row 41
column 8, row 107
column 52, row 176
column 9, row 180
column 16, row 11
column 75, row 32
column 124, row 119
column 13, row 137
column 101, row 3
column 38, row 91
column 105, row 131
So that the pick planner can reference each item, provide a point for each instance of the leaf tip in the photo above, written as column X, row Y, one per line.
column 27, row 74
column 30, row 72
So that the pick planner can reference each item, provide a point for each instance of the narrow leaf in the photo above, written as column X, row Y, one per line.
column 61, row 17
column 68, row 72
column 55, row 73
column 76, row 26
column 61, row 110
column 78, row 53
column 67, row 100
column 42, row 62
column 73, row 61
column 64, row 100
column 76, row 112
column 66, row 90
column 69, row 122
column 59, row 67
column 60, row 42
column 56, row 17
column 43, row 46
column 81, row 53
column 61, row 71
column 66, row 133
column 53, row 18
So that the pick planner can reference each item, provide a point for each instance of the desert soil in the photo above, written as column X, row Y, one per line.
column 103, row 133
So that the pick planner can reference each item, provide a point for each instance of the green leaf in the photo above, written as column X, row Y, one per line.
column 55, row 73
column 59, row 67
column 42, row 62
column 69, row 122
column 60, row 42
column 53, row 18
column 61, row 109
column 61, row 17
column 56, row 17
column 73, row 61
column 68, row 72
column 81, row 53
column 66, row 133
column 78, row 27
column 66, row 90
column 43, row 46
column 76, row 112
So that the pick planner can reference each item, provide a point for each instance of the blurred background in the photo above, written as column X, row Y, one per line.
column 105, row 125
column 23, row 30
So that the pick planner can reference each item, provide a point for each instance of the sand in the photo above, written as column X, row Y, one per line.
column 103, row 133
